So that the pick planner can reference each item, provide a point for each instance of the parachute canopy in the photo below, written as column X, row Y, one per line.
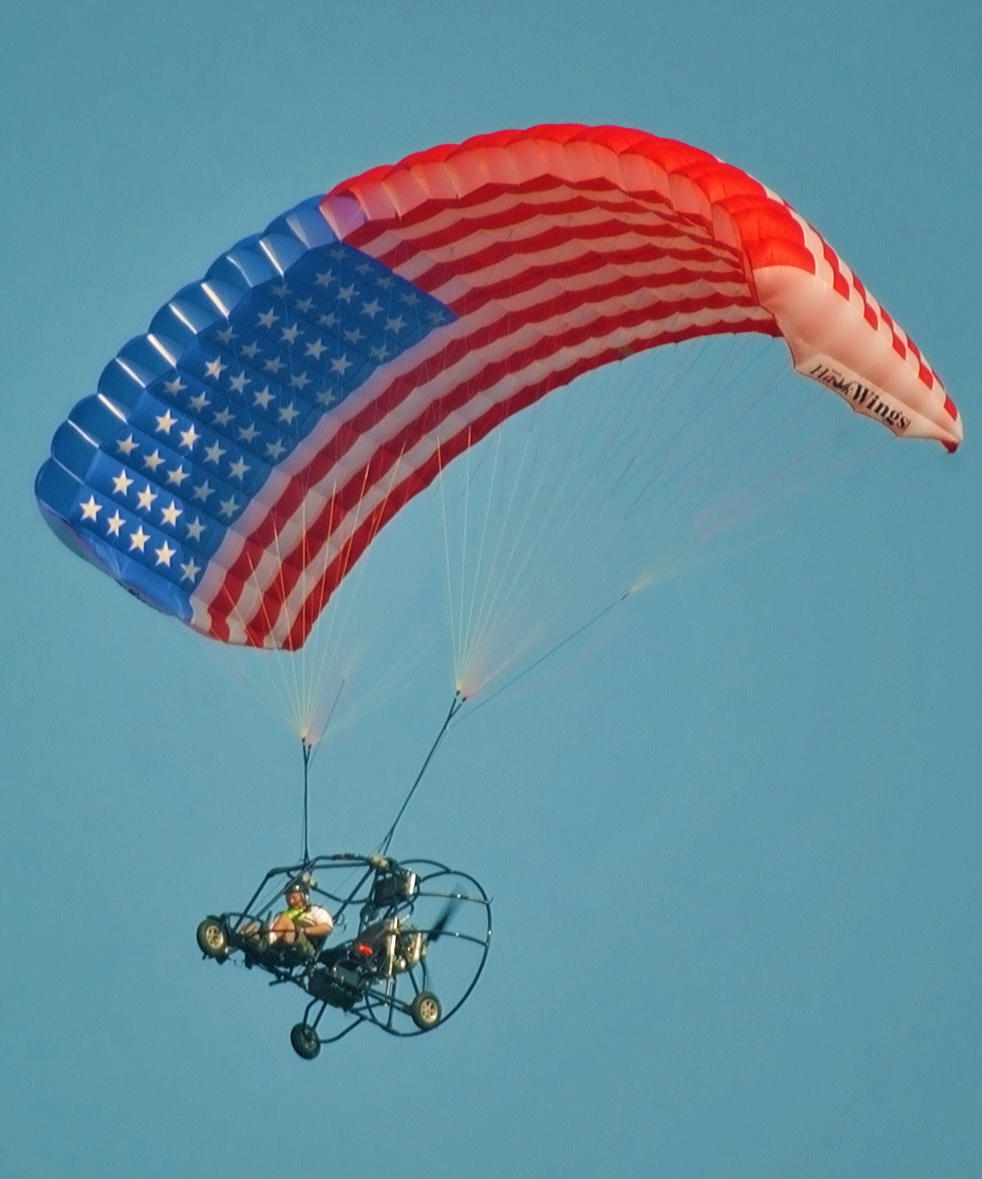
column 238, row 458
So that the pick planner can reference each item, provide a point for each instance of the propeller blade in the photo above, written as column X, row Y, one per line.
column 441, row 922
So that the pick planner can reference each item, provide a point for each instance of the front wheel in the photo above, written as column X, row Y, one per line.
column 426, row 1010
column 212, row 938
column 305, row 1041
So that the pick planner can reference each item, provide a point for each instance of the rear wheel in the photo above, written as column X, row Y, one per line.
column 305, row 1041
column 212, row 938
column 425, row 1010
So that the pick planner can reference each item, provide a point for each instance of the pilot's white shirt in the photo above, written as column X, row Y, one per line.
column 315, row 915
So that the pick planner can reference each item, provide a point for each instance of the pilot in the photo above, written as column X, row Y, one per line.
column 301, row 924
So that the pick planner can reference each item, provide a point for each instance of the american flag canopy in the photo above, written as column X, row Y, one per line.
column 239, row 457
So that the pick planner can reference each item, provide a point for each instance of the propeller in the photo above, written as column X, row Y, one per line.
column 443, row 920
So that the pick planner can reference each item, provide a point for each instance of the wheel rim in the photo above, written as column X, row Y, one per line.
column 214, row 937
column 428, row 1010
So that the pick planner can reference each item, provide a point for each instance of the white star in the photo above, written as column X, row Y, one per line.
column 215, row 368
column 337, row 251
column 325, row 279
column 315, row 349
column 122, row 483
column 341, row 365
column 274, row 365
column 263, row 398
column 371, row 309
column 380, row 354
column 169, row 515
column 164, row 554
column 153, row 461
column 268, row 319
column 275, row 449
column 226, row 335
column 305, row 305
column 410, row 298
column 239, row 383
column 189, row 571
column 214, row 453
column 138, row 539
column 174, row 387
column 248, row 433
column 288, row 413
column 223, row 417
column 250, row 350
column 195, row 528
column 435, row 316
column 127, row 445
column 353, row 336
column 228, row 507
column 299, row 381
column 146, row 498
column 198, row 403
column 328, row 320
column 281, row 291
column 189, row 437
column 395, row 325
column 363, row 268
column 202, row 491
column 347, row 293
column 165, row 423
column 238, row 468
column 115, row 522
column 326, row 397
column 290, row 334
column 91, row 509
column 385, row 282
column 177, row 476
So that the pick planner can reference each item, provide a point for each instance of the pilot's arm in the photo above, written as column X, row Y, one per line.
column 318, row 924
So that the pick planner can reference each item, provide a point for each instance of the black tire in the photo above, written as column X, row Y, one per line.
column 426, row 1010
column 213, row 938
column 305, row 1041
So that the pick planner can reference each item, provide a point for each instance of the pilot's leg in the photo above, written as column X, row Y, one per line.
column 282, row 930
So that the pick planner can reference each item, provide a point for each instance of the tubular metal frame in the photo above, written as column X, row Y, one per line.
column 378, row 999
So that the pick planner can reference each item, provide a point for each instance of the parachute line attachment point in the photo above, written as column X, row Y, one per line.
column 455, row 706
column 591, row 622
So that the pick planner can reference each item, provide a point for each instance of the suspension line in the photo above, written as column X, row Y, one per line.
column 307, row 750
column 456, row 705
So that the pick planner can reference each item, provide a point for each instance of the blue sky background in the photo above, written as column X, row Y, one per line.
column 734, row 853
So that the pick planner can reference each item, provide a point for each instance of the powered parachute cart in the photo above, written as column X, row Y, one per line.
column 410, row 941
